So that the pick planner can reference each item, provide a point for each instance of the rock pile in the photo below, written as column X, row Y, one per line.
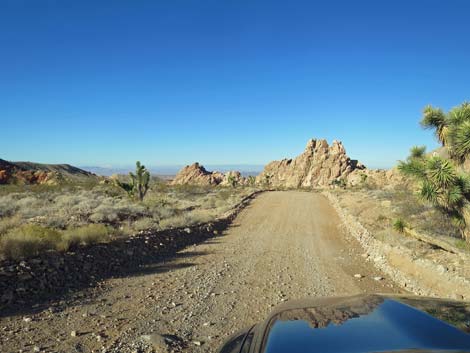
column 319, row 165
column 380, row 178
column 196, row 174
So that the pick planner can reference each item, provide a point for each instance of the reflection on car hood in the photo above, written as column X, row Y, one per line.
column 371, row 323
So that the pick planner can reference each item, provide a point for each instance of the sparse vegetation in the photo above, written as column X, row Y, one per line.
column 267, row 180
column 232, row 181
column 363, row 178
column 54, row 218
column 340, row 182
column 85, row 235
column 399, row 225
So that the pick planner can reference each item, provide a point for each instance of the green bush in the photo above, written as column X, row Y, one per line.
column 28, row 240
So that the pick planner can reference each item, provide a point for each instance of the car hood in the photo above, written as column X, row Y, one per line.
column 366, row 323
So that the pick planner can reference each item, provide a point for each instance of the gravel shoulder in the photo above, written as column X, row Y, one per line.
column 285, row 245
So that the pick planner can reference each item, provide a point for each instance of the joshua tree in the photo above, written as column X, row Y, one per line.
column 441, row 185
column 435, row 118
column 232, row 180
column 139, row 182
column 451, row 129
column 267, row 180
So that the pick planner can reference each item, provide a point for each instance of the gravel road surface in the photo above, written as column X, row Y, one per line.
column 284, row 245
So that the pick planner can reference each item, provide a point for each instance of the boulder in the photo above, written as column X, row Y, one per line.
column 380, row 178
column 196, row 174
column 233, row 177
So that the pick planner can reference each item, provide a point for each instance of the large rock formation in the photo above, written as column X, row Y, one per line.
column 196, row 174
column 319, row 165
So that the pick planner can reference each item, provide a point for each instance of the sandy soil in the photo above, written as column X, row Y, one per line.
column 285, row 245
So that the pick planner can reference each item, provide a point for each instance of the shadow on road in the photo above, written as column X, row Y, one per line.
column 158, row 262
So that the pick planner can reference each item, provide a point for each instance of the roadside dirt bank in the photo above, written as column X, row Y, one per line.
column 417, row 266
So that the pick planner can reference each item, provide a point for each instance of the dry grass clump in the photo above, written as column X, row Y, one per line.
column 8, row 223
column 187, row 219
column 28, row 240
column 145, row 223
column 85, row 235
column 31, row 239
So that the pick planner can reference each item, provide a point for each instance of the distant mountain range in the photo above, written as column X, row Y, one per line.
column 39, row 173
column 171, row 170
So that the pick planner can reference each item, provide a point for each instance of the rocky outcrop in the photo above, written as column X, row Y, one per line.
column 378, row 178
column 233, row 178
column 196, row 174
column 319, row 165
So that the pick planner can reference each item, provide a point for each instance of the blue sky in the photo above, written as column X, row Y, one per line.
column 225, row 81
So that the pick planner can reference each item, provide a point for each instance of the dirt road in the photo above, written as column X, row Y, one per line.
column 285, row 245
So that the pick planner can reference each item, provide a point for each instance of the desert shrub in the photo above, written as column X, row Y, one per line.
column 382, row 218
column 399, row 225
column 8, row 223
column 145, row 223
column 105, row 214
column 199, row 216
column 208, row 202
column 28, row 240
column 85, row 235
column 111, row 211
column 164, row 212
column 128, row 210
column 29, row 207
column 8, row 206
column 462, row 245
column 57, row 221
column 339, row 182
column 189, row 191
column 224, row 194
column 187, row 219
column 172, row 222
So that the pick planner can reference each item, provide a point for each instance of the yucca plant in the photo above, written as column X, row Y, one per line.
column 399, row 225
column 442, row 185
column 232, row 181
column 452, row 130
column 139, row 182
column 436, row 119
